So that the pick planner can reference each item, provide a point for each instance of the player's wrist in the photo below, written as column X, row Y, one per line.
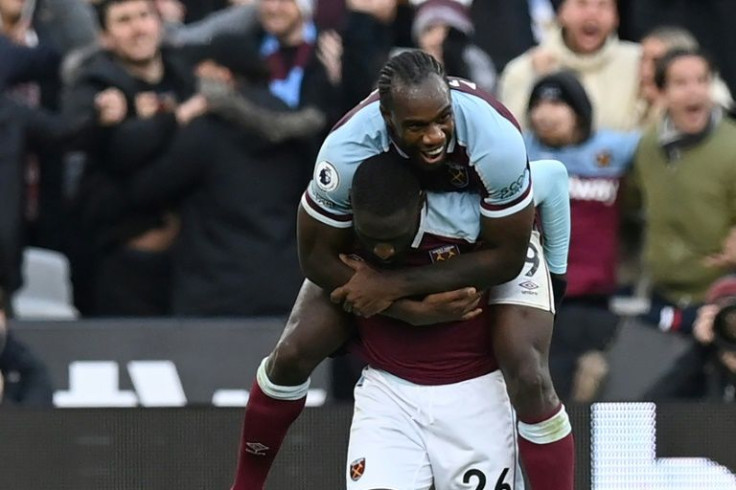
column 407, row 311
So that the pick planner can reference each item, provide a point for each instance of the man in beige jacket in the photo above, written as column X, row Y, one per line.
column 586, row 42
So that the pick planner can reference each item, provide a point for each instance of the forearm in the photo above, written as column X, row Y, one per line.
column 134, row 142
column 482, row 269
column 404, row 310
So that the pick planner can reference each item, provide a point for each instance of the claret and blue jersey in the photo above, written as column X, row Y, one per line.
column 486, row 156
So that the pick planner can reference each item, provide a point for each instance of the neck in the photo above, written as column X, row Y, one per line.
column 151, row 71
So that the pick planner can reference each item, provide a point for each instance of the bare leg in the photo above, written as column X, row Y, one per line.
column 316, row 328
column 521, row 340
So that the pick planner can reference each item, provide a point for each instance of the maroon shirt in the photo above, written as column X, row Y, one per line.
column 438, row 354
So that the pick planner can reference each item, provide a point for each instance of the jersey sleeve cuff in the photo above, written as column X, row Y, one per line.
column 317, row 212
column 490, row 210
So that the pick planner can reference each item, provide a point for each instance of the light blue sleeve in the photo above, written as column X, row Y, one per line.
column 497, row 153
column 362, row 136
column 552, row 199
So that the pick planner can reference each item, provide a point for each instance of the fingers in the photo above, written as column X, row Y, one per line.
column 338, row 295
column 472, row 314
column 351, row 261
column 146, row 104
column 111, row 106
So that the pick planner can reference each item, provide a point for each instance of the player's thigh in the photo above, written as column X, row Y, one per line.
column 386, row 448
column 522, row 311
column 315, row 329
column 472, row 442
column 520, row 334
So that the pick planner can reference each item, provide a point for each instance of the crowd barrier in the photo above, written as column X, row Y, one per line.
column 619, row 446
column 184, row 362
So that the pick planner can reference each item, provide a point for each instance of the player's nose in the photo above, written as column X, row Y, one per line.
column 434, row 136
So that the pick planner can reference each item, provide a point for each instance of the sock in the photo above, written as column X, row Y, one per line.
column 547, row 452
column 270, row 411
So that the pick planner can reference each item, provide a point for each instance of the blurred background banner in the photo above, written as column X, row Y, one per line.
column 154, row 363
column 619, row 445
column 169, row 362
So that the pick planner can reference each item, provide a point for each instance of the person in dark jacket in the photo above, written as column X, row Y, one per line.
column 127, row 270
column 22, row 129
column 24, row 379
column 237, row 187
column 304, row 65
column 23, row 63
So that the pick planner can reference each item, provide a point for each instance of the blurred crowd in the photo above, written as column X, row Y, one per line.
column 162, row 146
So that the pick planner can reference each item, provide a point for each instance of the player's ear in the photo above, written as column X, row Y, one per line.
column 386, row 114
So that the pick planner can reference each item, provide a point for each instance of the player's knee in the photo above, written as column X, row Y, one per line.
column 290, row 364
column 528, row 379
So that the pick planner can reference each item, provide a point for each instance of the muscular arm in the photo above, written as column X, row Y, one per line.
column 319, row 248
column 500, row 259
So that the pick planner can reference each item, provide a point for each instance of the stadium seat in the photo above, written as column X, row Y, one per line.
column 46, row 292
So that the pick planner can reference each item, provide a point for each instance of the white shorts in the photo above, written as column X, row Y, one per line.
column 532, row 287
column 406, row 436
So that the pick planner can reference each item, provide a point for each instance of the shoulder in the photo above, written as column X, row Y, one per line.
column 627, row 52
column 621, row 142
column 101, row 70
column 727, row 132
column 549, row 178
column 649, row 139
column 480, row 118
column 518, row 66
column 360, row 133
column 629, row 47
column 548, row 169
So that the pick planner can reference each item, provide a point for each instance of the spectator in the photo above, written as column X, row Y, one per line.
column 586, row 43
column 123, row 269
column 237, row 187
column 710, row 21
column 368, row 38
column 715, row 328
column 561, row 127
column 654, row 46
column 238, row 19
column 305, row 66
column 20, row 63
column 65, row 24
column 707, row 370
column 443, row 28
column 686, row 173
column 505, row 29
column 24, row 379
column 23, row 129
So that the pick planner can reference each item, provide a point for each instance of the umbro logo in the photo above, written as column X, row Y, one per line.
column 256, row 448
column 529, row 285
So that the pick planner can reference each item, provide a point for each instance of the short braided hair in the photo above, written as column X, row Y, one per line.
column 411, row 67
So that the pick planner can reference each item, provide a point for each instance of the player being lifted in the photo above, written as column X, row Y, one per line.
column 458, row 140
column 431, row 397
